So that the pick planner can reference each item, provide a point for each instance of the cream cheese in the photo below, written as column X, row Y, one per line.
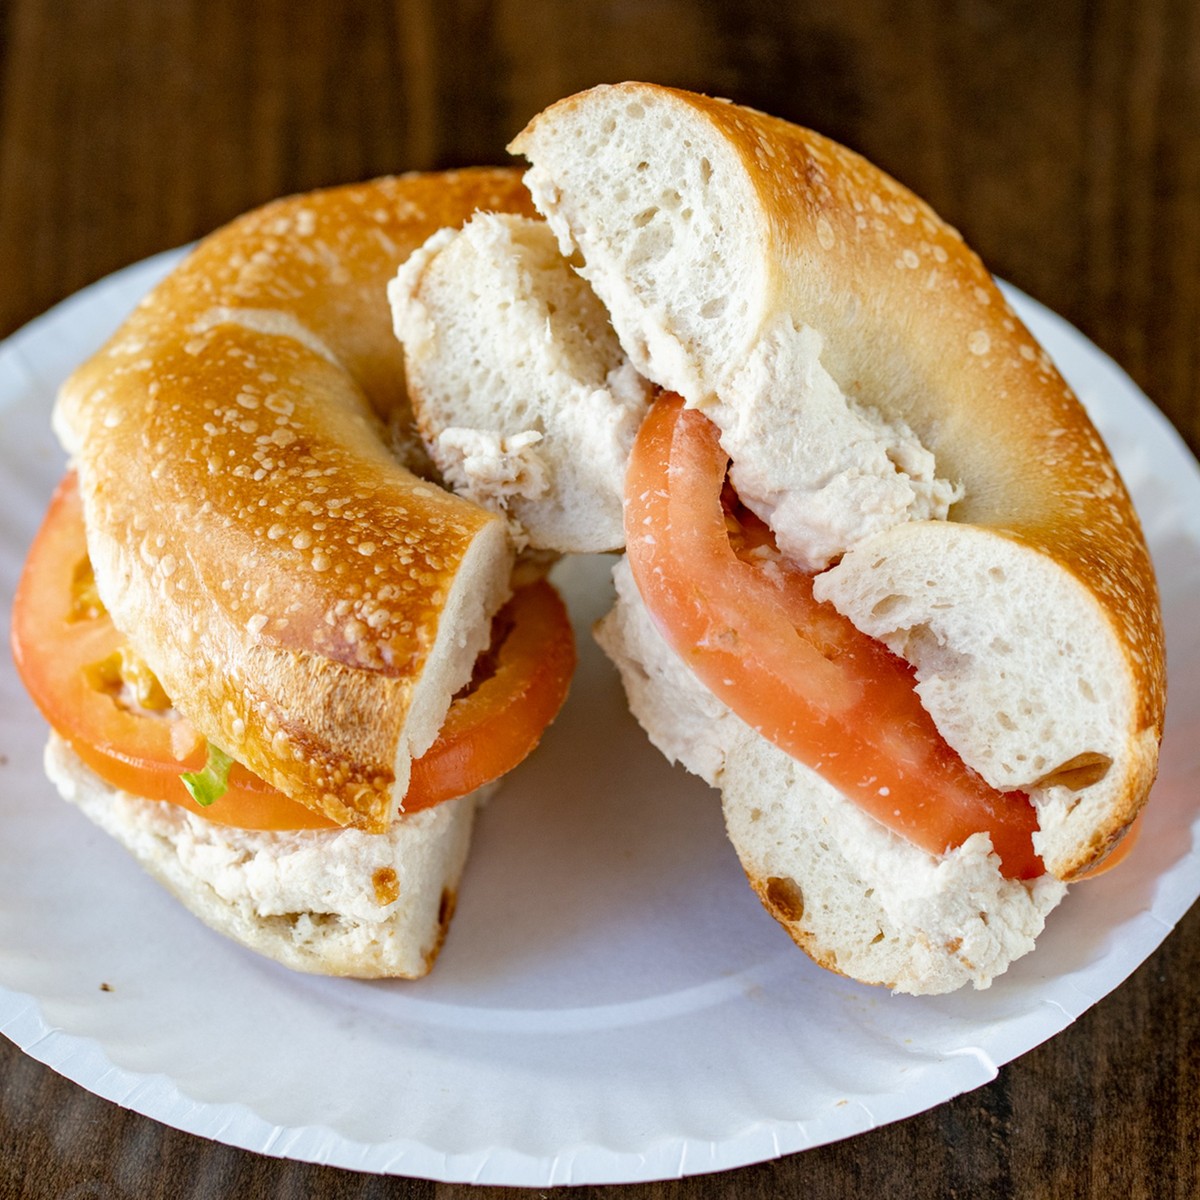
column 491, row 468
column 822, row 470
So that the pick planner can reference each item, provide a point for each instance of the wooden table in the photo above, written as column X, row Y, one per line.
column 1061, row 138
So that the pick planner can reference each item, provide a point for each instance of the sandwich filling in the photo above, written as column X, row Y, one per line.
column 823, row 471
column 745, row 621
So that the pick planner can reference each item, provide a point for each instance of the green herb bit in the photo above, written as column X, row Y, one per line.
column 213, row 782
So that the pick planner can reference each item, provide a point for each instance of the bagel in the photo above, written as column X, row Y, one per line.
column 790, row 231
column 273, row 580
column 284, row 585
column 886, row 419
column 907, row 442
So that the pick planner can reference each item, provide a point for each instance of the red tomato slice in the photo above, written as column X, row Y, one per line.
column 57, row 643
column 497, row 724
column 794, row 669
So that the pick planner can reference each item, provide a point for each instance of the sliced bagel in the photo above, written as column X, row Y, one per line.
column 980, row 527
column 858, row 898
column 327, row 902
column 309, row 604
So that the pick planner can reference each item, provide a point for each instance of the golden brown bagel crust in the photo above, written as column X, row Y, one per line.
column 1016, row 426
column 286, row 579
column 913, row 326
column 1038, row 471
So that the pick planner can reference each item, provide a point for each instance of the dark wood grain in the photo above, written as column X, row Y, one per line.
column 1061, row 138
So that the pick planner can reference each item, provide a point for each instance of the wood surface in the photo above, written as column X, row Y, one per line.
column 1062, row 138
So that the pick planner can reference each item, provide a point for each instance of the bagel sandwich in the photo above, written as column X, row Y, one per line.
column 281, row 663
column 883, row 586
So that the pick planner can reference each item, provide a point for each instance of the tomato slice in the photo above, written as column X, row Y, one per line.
column 496, row 724
column 796, row 670
column 61, row 639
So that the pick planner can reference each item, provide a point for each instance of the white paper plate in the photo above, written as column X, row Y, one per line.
column 612, row 1003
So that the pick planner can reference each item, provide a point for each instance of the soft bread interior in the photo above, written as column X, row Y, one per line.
column 1018, row 688
column 522, row 394
column 658, row 219
column 477, row 591
column 340, row 902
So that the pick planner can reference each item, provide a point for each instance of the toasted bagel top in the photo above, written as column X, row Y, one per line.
column 310, row 605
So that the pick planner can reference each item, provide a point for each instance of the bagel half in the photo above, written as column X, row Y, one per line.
column 309, row 604
column 325, row 902
column 907, row 440
column 717, row 236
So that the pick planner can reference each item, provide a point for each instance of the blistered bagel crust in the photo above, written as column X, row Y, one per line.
column 310, row 605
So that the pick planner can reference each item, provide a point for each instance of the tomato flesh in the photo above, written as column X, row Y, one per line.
column 747, row 624
column 497, row 724
column 58, row 643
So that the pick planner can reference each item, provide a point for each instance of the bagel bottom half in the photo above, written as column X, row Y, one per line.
column 337, row 902
column 856, row 897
